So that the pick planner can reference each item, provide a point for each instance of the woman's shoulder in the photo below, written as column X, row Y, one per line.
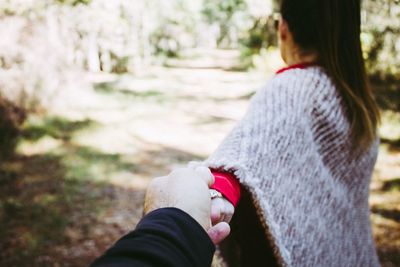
column 302, row 80
column 301, row 87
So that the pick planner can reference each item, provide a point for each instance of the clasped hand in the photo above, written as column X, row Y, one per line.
column 188, row 190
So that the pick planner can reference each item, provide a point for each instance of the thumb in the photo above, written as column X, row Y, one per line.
column 219, row 232
column 206, row 174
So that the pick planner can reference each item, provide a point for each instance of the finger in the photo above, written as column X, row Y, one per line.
column 227, row 217
column 216, row 211
column 229, row 210
column 206, row 174
column 219, row 232
column 215, row 216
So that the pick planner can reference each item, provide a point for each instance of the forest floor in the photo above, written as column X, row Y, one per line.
column 77, row 183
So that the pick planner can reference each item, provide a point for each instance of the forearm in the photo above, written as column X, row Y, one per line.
column 165, row 237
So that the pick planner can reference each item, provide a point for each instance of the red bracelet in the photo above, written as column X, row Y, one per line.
column 227, row 184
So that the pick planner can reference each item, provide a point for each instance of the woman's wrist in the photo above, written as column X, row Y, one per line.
column 227, row 184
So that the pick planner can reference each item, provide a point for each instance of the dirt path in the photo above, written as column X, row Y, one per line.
column 161, row 120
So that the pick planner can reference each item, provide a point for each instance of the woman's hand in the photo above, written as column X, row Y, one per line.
column 221, row 210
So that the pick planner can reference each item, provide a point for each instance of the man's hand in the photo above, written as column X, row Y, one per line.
column 187, row 189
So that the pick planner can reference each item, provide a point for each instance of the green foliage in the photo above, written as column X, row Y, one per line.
column 176, row 27
column 55, row 127
column 381, row 38
column 393, row 185
column 222, row 13
column 44, row 197
column 36, row 208
column 74, row 2
column 120, row 64
column 120, row 93
column 261, row 35
column 88, row 164
column 387, row 94
column 164, row 39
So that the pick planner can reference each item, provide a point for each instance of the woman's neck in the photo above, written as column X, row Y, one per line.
column 293, row 54
column 301, row 58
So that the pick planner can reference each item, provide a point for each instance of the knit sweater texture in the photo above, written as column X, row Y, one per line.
column 293, row 152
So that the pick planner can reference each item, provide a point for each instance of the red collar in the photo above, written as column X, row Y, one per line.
column 296, row 66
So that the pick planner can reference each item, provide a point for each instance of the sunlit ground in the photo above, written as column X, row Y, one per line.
column 78, row 181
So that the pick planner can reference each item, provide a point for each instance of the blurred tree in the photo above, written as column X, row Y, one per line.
column 176, row 27
column 381, row 38
column 119, row 36
column 11, row 118
column 261, row 35
column 381, row 44
column 222, row 13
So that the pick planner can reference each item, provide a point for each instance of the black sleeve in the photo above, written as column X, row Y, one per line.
column 165, row 237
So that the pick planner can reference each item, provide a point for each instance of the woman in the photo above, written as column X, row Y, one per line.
column 305, row 151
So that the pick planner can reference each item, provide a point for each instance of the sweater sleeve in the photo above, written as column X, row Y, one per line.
column 165, row 237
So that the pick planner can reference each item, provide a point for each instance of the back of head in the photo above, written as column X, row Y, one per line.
column 332, row 28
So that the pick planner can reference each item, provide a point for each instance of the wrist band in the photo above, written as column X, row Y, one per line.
column 227, row 184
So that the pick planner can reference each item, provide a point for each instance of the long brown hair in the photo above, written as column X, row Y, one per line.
column 332, row 28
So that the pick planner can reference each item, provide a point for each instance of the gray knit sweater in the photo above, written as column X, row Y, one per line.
column 292, row 150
